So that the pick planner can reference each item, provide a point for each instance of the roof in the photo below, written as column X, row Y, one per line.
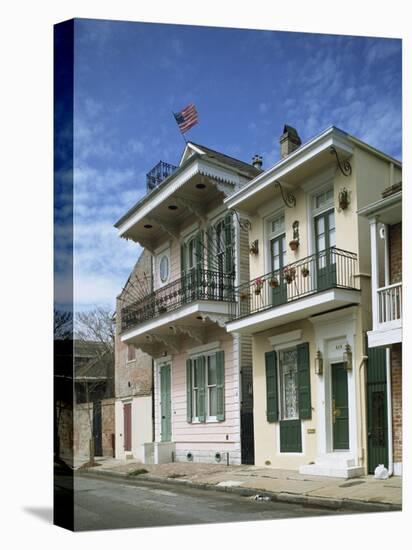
column 236, row 164
column 233, row 162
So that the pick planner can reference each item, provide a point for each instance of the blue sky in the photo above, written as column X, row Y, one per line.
column 246, row 85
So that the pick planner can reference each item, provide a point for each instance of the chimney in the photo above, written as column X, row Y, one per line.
column 289, row 141
column 257, row 162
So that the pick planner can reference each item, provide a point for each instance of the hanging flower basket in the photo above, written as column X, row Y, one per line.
column 243, row 295
column 274, row 283
column 304, row 271
column 258, row 285
column 289, row 274
column 294, row 244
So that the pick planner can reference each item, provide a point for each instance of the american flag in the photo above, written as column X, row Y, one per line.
column 187, row 118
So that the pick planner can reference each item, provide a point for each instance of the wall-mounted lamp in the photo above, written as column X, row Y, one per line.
column 347, row 358
column 294, row 243
column 254, row 247
column 343, row 199
column 318, row 362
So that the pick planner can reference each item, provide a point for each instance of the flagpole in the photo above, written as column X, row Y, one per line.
column 184, row 139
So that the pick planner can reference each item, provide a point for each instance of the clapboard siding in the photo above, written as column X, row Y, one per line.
column 207, row 432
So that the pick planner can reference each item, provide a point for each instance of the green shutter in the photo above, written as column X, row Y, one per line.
column 202, row 390
column 199, row 250
column 305, row 408
column 290, row 436
column 189, row 390
column 229, row 260
column 271, row 387
column 220, row 385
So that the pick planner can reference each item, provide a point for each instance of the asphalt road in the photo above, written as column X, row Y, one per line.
column 106, row 503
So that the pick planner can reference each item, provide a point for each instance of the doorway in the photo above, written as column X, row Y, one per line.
column 325, row 239
column 165, row 403
column 377, row 417
column 278, row 262
column 340, row 409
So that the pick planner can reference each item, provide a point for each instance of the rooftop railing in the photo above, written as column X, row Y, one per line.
column 158, row 173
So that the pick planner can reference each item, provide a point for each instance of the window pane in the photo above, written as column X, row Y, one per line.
column 331, row 220
column 320, row 226
column 289, row 387
column 213, row 401
column 211, row 370
column 321, row 242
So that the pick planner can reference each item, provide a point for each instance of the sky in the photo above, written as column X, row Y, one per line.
column 246, row 84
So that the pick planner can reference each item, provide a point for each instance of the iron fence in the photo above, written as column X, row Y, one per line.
column 198, row 284
column 330, row 268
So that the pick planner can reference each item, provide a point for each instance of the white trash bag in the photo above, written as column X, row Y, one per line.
column 381, row 472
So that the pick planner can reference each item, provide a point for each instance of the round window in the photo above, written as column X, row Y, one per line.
column 164, row 268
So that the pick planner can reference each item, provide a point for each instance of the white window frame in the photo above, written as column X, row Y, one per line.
column 130, row 361
column 269, row 235
column 208, row 418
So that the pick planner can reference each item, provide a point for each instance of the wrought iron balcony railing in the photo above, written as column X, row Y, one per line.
column 199, row 284
column 158, row 173
column 331, row 268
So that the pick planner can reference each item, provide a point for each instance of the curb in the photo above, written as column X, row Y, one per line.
column 303, row 500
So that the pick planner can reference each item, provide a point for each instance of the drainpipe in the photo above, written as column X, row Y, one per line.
column 364, row 358
column 389, row 405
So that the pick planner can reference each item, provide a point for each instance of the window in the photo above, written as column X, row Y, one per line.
column 288, row 378
column 288, row 395
column 164, row 268
column 205, row 387
column 323, row 199
column 131, row 352
column 277, row 225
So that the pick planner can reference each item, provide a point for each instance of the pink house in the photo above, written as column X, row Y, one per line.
column 203, row 402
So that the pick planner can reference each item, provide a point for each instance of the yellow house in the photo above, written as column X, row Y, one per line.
column 308, row 303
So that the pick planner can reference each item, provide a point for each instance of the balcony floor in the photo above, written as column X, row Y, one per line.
column 296, row 310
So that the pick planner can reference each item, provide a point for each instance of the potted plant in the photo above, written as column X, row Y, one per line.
column 305, row 271
column 258, row 285
column 289, row 274
column 294, row 243
column 274, row 282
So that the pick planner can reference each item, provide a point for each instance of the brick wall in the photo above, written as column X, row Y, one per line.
column 108, row 427
column 133, row 378
column 396, row 380
column 395, row 253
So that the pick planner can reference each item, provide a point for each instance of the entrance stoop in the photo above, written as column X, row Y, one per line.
column 333, row 465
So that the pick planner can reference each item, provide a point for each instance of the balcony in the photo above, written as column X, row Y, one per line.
column 315, row 284
column 200, row 285
column 387, row 328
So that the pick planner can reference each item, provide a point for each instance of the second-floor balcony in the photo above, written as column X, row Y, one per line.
column 387, row 317
column 311, row 285
column 198, row 285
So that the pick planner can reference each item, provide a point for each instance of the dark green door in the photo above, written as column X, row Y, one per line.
column 377, row 409
column 165, row 404
column 278, row 259
column 340, row 410
column 326, row 260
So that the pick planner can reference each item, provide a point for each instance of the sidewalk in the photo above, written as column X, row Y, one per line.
column 363, row 493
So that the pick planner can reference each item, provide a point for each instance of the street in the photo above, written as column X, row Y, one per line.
column 106, row 503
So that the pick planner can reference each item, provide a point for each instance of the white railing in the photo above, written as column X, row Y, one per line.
column 390, row 304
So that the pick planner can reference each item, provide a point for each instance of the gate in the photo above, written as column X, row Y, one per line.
column 246, row 418
column 376, row 393
column 97, row 428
